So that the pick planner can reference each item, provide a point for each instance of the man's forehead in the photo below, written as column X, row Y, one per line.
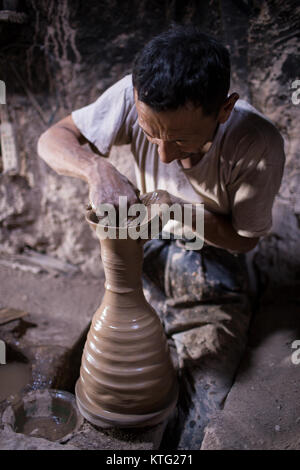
column 151, row 127
column 176, row 123
column 187, row 108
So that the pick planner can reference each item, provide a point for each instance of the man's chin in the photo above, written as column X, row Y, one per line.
column 189, row 155
column 186, row 155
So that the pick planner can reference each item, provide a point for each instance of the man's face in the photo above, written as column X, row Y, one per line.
column 180, row 134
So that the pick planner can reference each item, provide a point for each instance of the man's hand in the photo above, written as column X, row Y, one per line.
column 218, row 230
column 106, row 184
column 160, row 196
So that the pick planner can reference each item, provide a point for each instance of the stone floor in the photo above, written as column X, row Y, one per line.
column 261, row 410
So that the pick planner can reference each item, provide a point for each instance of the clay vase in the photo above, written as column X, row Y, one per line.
column 127, row 378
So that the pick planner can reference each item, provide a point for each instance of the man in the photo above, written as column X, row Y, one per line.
column 192, row 139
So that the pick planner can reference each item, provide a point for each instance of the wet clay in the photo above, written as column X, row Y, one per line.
column 127, row 378
column 154, row 198
column 49, row 427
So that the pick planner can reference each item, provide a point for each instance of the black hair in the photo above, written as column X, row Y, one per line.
column 182, row 65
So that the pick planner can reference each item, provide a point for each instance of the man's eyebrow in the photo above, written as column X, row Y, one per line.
column 149, row 135
column 146, row 132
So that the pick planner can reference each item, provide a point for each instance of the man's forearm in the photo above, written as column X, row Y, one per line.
column 219, row 232
column 61, row 150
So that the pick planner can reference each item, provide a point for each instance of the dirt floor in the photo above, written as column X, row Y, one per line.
column 44, row 348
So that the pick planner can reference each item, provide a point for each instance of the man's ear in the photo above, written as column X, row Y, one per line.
column 227, row 107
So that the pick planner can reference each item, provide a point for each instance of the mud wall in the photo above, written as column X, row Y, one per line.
column 66, row 53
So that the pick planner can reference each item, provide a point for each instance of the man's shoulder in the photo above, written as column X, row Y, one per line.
column 249, row 127
column 108, row 120
column 123, row 86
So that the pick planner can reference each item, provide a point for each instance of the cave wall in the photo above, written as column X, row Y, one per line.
column 68, row 52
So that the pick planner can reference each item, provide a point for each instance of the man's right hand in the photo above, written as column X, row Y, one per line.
column 106, row 184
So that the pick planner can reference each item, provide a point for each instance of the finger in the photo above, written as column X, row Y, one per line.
column 93, row 206
column 138, row 192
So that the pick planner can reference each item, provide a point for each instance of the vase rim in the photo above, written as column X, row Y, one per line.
column 149, row 218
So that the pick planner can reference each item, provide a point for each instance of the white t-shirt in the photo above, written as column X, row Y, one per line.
column 240, row 174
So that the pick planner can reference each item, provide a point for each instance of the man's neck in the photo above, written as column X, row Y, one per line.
column 193, row 160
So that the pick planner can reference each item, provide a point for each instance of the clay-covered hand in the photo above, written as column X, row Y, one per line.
column 106, row 184
column 160, row 196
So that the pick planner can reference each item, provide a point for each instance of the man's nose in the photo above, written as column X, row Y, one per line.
column 168, row 151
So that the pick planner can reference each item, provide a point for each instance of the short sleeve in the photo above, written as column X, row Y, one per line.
column 105, row 122
column 255, row 182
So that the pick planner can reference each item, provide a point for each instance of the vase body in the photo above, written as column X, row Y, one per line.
column 127, row 378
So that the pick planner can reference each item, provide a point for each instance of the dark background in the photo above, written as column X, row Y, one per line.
column 68, row 52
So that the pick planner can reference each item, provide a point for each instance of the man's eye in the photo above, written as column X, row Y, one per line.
column 146, row 135
column 151, row 139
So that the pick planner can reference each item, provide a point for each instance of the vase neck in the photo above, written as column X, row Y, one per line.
column 122, row 262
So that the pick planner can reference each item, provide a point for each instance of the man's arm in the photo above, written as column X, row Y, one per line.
column 61, row 148
column 218, row 230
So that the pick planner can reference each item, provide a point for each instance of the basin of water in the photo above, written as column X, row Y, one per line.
column 50, row 414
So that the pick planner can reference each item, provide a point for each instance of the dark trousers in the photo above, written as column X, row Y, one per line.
column 202, row 300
